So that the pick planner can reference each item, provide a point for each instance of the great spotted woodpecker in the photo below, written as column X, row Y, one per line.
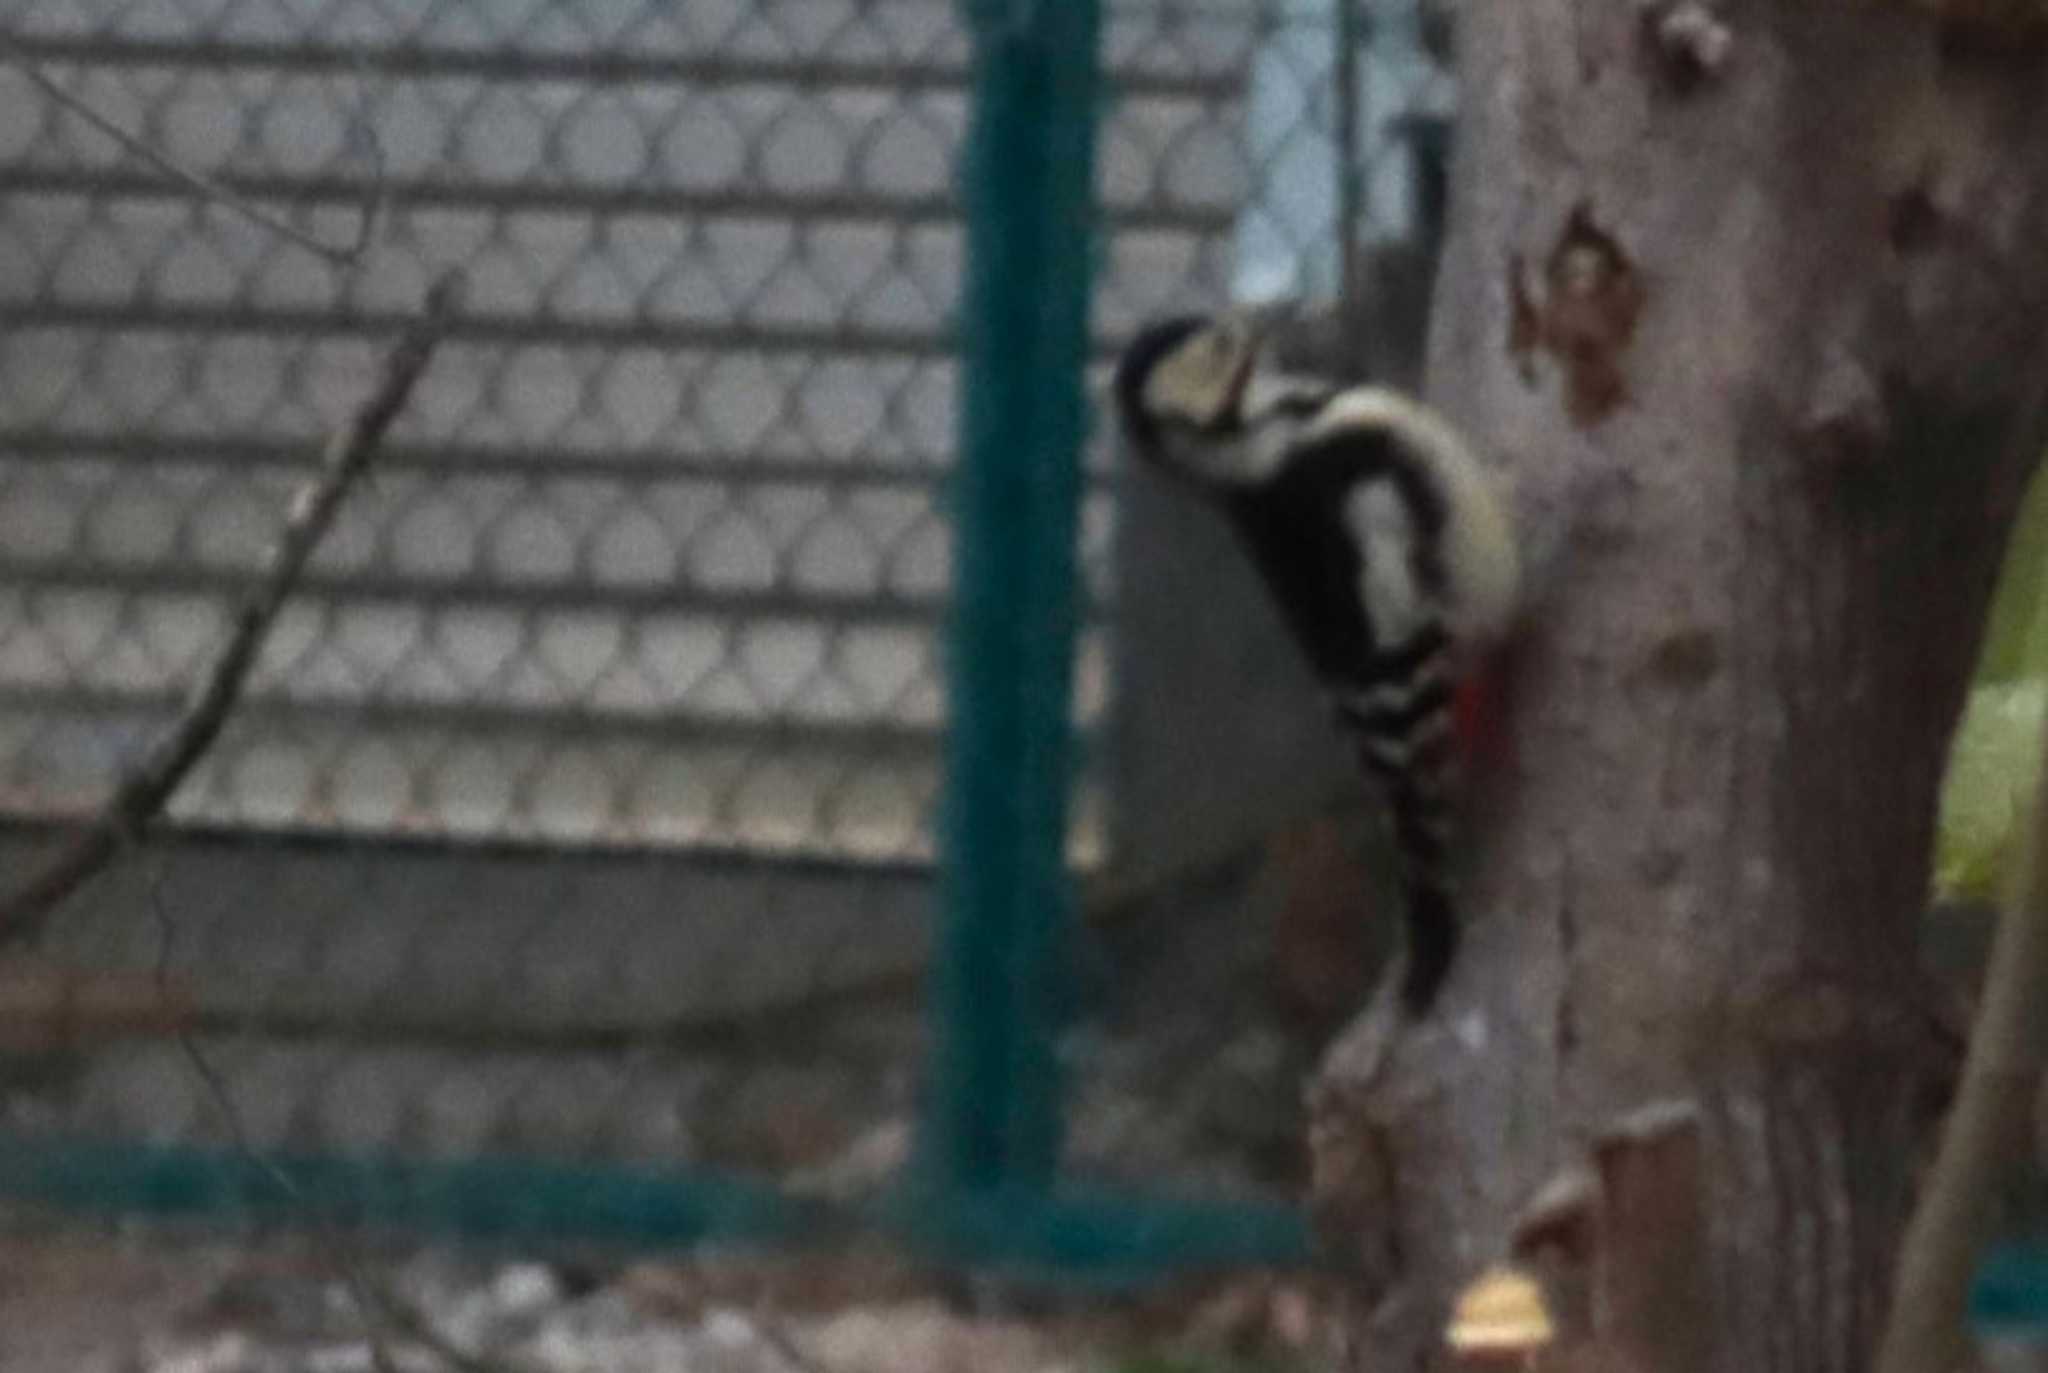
column 1385, row 544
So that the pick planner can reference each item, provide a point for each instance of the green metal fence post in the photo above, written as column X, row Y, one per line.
column 1028, row 191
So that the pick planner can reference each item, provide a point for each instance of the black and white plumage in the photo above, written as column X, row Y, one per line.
column 1385, row 545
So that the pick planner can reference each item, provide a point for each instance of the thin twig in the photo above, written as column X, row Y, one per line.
column 1987, row 1138
column 143, row 792
column 414, row 1325
column 382, row 1312
column 768, row 1328
column 200, row 184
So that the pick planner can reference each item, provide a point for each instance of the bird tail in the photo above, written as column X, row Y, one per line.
column 1404, row 740
column 1421, row 820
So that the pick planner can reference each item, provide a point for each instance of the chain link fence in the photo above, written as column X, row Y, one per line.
column 581, row 801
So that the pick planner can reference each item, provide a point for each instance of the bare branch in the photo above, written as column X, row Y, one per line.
column 201, row 185
column 143, row 792
column 1988, row 1134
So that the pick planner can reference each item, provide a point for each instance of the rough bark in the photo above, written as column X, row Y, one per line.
column 1753, row 304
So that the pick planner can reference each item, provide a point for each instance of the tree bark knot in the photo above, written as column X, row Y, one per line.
column 1846, row 423
column 1691, row 43
column 1584, row 316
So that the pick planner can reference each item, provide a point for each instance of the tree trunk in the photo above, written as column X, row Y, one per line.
column 1751, row 299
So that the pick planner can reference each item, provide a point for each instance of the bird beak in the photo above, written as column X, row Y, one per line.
column 1240, row 378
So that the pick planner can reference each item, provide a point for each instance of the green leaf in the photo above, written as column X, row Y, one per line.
column 1992, row 768
column 1994, row 755
column 2016, row 630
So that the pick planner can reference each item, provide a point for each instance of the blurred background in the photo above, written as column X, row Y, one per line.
column 581, row 805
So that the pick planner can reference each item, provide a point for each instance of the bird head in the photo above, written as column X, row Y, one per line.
column 1180, row 390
